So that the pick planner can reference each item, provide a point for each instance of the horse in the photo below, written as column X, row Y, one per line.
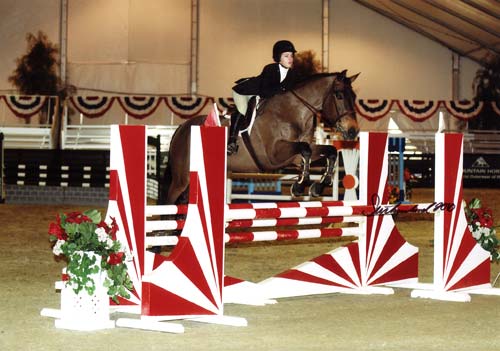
column 282, row 135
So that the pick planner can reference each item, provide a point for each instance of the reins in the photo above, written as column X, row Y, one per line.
column 317, row 112
column 310, row 107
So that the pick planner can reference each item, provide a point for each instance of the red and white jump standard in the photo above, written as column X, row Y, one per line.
column 190, row 283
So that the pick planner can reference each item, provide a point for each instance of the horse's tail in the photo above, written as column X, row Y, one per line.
column 167, row 175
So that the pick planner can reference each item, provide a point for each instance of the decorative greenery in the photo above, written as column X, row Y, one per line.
column 36, row 71
column 480, row 221
column 80, row 237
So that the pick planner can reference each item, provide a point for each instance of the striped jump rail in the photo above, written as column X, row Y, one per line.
column 270, row 215
column 273, row 235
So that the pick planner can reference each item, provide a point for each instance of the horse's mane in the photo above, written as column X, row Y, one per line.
column 314, row 77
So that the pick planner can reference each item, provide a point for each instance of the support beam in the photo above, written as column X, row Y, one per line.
column 325, row 36
column 63, row 40
column 448, row 26
column 195, row 29
column 455, row 76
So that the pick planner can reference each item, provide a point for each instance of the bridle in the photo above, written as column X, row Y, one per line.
column 318, row 113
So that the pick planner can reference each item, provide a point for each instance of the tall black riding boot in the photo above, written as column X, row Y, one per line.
column 232, row 145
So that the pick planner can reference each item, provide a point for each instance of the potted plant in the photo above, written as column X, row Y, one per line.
column 480, row 222
column 96, row 269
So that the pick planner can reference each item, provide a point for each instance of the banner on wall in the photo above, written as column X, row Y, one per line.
column 481, row 170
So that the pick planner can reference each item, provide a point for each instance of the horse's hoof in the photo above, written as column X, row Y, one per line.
column 297, row 189
column 316, row 189
column 232, row 148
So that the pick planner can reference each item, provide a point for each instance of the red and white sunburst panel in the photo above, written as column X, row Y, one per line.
column 381, row 256
column 190, row 281
column 459, row 262
column 127, row 198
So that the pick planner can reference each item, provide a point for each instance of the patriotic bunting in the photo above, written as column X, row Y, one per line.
column 139, row 106
column 418, row 110
column 92, row 106
column 25, row 106
column 187, row 106
column 373, row 109
column 464, row 109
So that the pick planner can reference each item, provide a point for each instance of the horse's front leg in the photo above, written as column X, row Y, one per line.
column 330, row 153
column 304, row 180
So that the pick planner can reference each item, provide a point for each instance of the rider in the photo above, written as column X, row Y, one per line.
column 275, row 78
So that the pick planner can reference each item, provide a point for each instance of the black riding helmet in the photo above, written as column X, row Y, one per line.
column 280, row 47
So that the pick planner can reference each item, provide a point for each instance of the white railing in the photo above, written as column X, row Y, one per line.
column 28, row 137
column 477, row 141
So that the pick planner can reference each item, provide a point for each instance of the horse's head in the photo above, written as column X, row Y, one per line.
column 338, row 106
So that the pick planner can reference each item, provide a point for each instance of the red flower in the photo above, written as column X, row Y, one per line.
column 114, row 259
column 56, row 230
column 486, row 222
column 114, row 228
column 77, row 217
column 103, row 224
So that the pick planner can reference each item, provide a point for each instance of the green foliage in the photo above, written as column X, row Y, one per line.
column 480, row 222
column 80, row 237
column 36, row 71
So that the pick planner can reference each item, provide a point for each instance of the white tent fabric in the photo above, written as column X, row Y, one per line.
column 144, row 46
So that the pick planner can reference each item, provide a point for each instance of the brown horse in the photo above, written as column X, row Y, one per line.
column 282, row 135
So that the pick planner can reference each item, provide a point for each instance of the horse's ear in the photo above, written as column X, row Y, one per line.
column 353, row 78
column 342, row 74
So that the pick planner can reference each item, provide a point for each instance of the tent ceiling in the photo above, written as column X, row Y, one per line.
column 470, row 28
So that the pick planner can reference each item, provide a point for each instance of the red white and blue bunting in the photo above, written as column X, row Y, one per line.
column 187, row 106
column 24, row 106
column 92, row 106
column 418, row 110
column 373, row 109
column 464, row 109
column 139, row 106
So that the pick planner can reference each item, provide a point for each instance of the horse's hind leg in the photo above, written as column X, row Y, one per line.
column 330, row 152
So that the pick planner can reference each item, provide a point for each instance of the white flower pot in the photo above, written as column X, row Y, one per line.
column 83, row 311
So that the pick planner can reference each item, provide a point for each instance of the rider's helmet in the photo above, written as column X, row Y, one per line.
column 280, row 47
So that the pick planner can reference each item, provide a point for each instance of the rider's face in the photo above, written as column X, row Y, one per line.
column 286, row 59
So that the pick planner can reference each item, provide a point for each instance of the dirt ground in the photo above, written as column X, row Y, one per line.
column 328, row 322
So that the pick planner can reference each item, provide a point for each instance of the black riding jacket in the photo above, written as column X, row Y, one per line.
column 267, row 83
